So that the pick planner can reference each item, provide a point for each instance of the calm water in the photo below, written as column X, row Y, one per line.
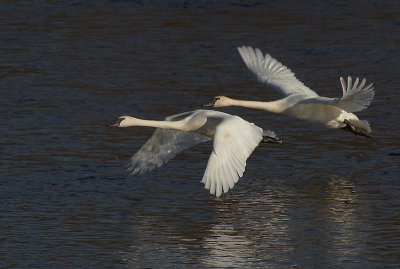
column 325, row 199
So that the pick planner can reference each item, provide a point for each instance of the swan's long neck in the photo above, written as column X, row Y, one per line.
column 273, row 106
column 175, row 125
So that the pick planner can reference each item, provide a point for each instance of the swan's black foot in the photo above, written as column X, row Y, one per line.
column 271, row 139
column 356, row 130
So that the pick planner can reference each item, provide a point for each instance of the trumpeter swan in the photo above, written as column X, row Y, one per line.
column 302, row 102
column 234, row 141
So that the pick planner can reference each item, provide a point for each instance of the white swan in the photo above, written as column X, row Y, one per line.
column 302, row 102
column 234, row 141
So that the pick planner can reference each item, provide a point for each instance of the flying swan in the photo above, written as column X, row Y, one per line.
column 234, row 141
column 302, row 102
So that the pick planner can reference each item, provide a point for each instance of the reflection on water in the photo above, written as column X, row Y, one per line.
column 324, row 199
column 226, row 247
column 319, row 224
column 342, row 219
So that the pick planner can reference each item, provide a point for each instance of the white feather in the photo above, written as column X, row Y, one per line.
column 234, row 141
column 272, row 72
column 300, row 101
column 355, row 97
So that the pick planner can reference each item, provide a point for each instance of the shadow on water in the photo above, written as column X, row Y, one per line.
column 325, row 199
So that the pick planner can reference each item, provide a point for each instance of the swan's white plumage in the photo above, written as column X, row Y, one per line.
column 234, row 141
column 268, row 70
column 300, row 101
column 356, row 97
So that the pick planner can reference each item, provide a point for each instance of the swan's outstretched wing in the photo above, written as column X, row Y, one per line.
column 272, row 72
column 234, row 141
column 180, row 116
column 356, row 97
column 164, row 145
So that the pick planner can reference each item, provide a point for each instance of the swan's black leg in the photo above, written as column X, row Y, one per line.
column 356, row 130
column 271, row 139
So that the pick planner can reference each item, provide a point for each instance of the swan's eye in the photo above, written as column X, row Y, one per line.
column 212, row 103
column 214, row 100
column 117, row 122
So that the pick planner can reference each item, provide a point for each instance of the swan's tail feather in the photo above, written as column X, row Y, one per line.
column 270, row 137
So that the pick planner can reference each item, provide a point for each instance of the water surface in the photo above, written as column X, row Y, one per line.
column 325, row 199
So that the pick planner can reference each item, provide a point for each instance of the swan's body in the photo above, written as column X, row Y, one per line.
column 234, row 141
column 302, row 102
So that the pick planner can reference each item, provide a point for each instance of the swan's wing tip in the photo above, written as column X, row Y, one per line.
column 356, row 96
column 270, row 71
column 164, row 145
column 234, row 141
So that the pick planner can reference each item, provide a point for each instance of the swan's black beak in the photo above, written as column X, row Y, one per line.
column 212, row 103
column 116, row 124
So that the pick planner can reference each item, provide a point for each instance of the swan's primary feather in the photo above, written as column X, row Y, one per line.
column 356, row 97
column 268, row 70
column 234, row 141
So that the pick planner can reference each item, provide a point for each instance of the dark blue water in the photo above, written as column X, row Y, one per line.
column 325, row 199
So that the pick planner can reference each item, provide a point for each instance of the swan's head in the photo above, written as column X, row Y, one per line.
column 218, row 101
column 124, row 121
